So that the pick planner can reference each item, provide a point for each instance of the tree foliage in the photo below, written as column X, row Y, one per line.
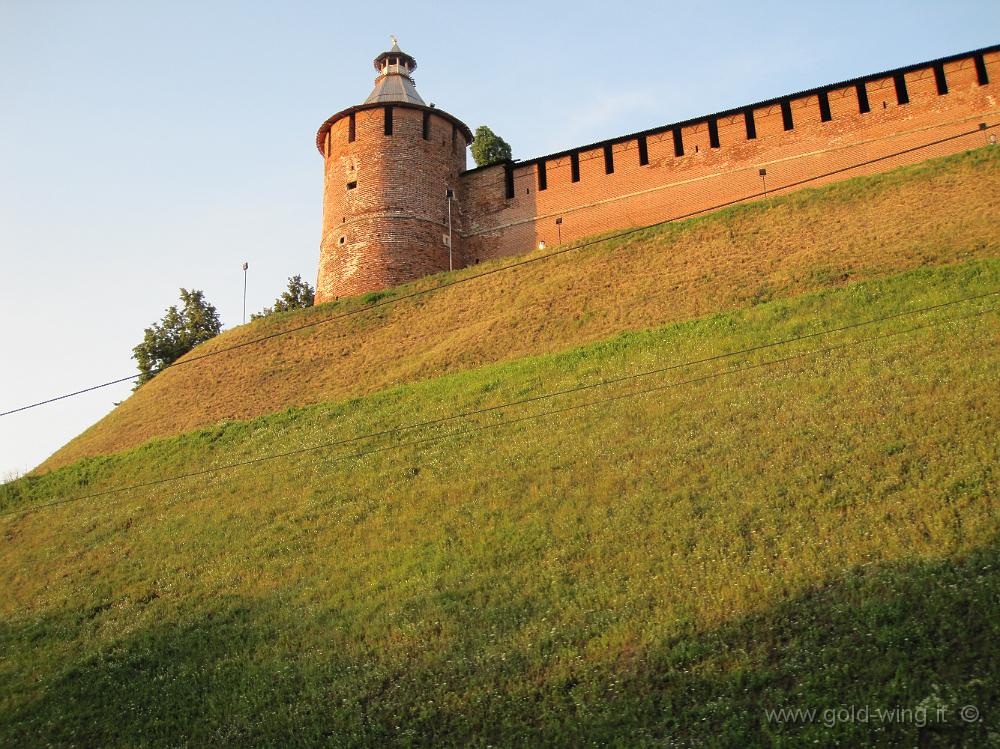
column 178, row 332
column 298, row 295
column 489, row 148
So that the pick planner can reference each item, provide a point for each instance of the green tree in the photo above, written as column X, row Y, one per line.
column 298, row 295
column 178, row 332
column 489, row 148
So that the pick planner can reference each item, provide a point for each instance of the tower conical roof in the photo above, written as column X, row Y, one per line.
column 394, row 82
column 394, row 85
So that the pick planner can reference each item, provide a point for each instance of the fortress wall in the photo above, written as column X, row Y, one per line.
column 481, row 196
column 706, row 175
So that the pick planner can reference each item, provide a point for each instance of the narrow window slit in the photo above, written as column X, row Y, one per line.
column 940, row 80
column 862, row 92
column 824, row 107
column 786, row 115
column 981, row 75
column 902, row 95
column 713, row 133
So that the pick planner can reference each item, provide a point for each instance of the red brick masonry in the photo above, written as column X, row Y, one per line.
column 385, row 211
column 390, row 228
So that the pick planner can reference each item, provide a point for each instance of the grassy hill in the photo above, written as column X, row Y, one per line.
column 810, row 525
column 938, row 212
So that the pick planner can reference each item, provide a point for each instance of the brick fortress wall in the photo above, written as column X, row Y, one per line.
column 927, row 110
column 385, row 214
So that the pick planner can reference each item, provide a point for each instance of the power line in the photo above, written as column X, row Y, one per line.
column 698, row 274
column 490, row 272
column 630, row 394
column 659, row 388
column 660, row 370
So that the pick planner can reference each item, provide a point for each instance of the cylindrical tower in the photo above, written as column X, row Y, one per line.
column 391, row 175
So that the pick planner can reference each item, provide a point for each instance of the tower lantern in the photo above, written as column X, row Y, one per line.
column 395, row 82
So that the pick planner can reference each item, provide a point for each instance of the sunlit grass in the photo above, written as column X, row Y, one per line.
column 943, row 211
column 651, row 570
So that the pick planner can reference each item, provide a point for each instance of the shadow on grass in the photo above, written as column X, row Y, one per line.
column 895, row 637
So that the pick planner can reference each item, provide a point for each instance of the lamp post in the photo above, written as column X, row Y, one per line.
column 449, row 193
column 559, row 228
column 246, row 265
column 763, row 179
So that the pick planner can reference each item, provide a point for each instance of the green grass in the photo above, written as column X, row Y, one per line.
column 654, row 570
column 940, row 212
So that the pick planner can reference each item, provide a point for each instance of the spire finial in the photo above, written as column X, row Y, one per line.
column 395, row 41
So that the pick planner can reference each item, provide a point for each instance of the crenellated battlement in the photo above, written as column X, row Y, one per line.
column 837, row 131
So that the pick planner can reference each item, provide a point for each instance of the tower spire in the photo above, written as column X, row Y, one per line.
column 394, row 82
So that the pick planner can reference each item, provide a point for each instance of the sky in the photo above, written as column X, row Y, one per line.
column 150, row 146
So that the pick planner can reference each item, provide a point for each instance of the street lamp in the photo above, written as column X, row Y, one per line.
column 559, row 228
column 246, row 265
column 763, row 179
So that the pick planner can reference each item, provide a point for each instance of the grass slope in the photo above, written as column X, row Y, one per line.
column 941, row 211
column 650, row 571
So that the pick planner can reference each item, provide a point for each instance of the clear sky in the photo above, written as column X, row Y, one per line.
column 146, row 146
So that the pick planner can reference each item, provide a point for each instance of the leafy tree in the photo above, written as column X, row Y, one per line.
column 298, row 295
column 178, row 332
column 489, row 148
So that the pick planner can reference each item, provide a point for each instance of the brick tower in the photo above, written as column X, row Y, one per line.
column 389, row 166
